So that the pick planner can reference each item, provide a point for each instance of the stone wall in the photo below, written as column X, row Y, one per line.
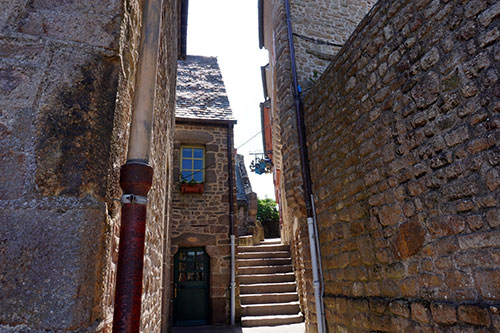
column 202, row 220
column 403, row 132
column 67, row 77
column 58, row 89
column 320, row 29
column 156, row 287
column 247, row 199
column 317, row 26
column 286, row 143
column 247, row 214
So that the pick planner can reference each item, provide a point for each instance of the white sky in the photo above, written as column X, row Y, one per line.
column 228, row 29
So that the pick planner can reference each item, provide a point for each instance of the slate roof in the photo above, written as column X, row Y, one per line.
column 201, row 93
column 243, row 186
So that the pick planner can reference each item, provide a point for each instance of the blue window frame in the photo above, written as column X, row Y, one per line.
column 193, row 164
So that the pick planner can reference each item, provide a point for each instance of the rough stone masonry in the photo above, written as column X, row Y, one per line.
column 67, row 77
column 403, row 132
column 319, row 29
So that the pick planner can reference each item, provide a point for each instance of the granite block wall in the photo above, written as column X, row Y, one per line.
column 320, row 29
column 286, row 143
column 67, row 79
column 403, row 132
column 59, row 83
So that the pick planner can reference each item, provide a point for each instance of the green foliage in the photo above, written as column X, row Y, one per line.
column 185, row 181
column 266, row 211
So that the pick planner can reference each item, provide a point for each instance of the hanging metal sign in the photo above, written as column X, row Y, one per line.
column 261, row 164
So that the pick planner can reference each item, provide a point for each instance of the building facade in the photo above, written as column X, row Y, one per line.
column 247, row 199
column 402, row 140
column 319, row 29
column 402, row 129
column 204, row 204
column 68, row 78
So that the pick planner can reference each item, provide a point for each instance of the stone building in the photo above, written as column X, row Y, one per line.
column 319, row 29
column 201, row 211
column 247, row 199
column 68, row 74
column 402, row 132
column 401, row 125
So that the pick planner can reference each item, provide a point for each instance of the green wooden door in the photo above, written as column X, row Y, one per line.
column 191, row 273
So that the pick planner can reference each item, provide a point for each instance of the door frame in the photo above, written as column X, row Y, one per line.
column 175, row 289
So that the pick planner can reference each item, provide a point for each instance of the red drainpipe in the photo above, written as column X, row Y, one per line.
column 136, row 178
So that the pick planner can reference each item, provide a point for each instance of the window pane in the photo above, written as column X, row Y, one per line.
column 187, row 175
column 187, row 152
column 199, row 260
column 191, row 261
column 198, row 176
column 198, row 164
column 187, row 164
column 198, row 152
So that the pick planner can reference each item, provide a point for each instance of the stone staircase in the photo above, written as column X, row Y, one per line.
column 268, row 293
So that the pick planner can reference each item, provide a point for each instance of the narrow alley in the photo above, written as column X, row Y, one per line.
column 352, row 185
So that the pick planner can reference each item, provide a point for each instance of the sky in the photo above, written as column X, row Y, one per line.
column 228, row 29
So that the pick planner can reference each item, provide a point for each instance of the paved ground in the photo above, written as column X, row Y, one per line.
column 293, row 328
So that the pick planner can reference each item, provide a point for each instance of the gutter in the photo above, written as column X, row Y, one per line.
column 306, row 178
column 261, row 23
column 263, row 125
column 183, row 26
column 230, row 167
column 204, row 121
column 136, row 178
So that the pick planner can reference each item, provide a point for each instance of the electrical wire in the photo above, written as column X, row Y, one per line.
column 212, row 164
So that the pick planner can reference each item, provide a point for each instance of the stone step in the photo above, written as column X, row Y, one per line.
column 269, row 298
column 263, row 248
column 273, row 320
column 266, row 278
column 255, row 255
column 268, row 295
column 245, row 240
column 288, row 308
column 264, row 262
column 261, row 288
column 265, row 269
column 271, row 241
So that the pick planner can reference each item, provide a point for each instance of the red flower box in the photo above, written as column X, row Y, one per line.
column 192, row 188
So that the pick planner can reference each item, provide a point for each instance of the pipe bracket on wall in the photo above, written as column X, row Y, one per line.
column 134, row 199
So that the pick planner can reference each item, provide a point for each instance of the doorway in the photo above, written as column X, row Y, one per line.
column 191, row 287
